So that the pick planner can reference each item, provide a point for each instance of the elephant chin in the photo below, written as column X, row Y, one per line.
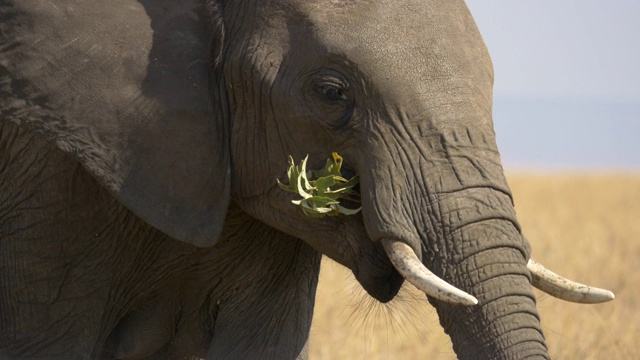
column 378, row 277
column 383, row 289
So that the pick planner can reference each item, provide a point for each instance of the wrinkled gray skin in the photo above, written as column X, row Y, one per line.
column 139, row 146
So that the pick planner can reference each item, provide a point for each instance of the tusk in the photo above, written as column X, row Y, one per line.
column 565, row 289
column 409, row 266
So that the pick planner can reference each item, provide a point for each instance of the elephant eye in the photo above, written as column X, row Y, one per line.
column 329, row 98
column 332, row 92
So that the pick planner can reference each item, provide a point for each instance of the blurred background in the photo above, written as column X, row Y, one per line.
column 567, row 119
column 567, row 82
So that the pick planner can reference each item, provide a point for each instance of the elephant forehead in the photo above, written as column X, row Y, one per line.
column 395, row 43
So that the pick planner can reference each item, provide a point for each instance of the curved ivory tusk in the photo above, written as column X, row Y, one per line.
column 409, row 266
column 565, row 289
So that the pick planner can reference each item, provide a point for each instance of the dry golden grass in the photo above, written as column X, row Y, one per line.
column 586, row 227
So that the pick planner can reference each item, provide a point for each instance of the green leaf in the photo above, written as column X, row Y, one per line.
column 346, row 211
column 323, row 186
column 321, row 196
column 308, row 208
column 285, row 187
column 320, row 201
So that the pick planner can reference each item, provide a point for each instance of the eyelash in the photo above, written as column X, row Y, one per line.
column 332, row 92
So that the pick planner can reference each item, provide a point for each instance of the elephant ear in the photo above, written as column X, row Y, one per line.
column 126, row 87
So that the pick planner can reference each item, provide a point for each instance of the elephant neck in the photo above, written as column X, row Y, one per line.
column 264, row 293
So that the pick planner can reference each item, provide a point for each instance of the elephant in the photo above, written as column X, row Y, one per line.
column 140, row 146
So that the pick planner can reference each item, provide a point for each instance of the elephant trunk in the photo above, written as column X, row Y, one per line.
column 479, row 249
column 505, row 324
column 470, row 240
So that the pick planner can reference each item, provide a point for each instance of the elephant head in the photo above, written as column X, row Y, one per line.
column 408, row 104
column 180, row 107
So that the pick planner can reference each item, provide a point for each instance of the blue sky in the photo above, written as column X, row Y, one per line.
column 567, row 82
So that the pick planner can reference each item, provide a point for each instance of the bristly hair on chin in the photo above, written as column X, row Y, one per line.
column 400, row 316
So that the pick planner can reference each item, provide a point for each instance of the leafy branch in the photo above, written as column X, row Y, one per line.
column 321, row 196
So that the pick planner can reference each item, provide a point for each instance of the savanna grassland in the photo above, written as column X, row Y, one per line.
column 586, row 227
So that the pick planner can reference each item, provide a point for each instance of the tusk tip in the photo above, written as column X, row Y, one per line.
column 460, row 298
column 602, row 295
column 464, row 298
